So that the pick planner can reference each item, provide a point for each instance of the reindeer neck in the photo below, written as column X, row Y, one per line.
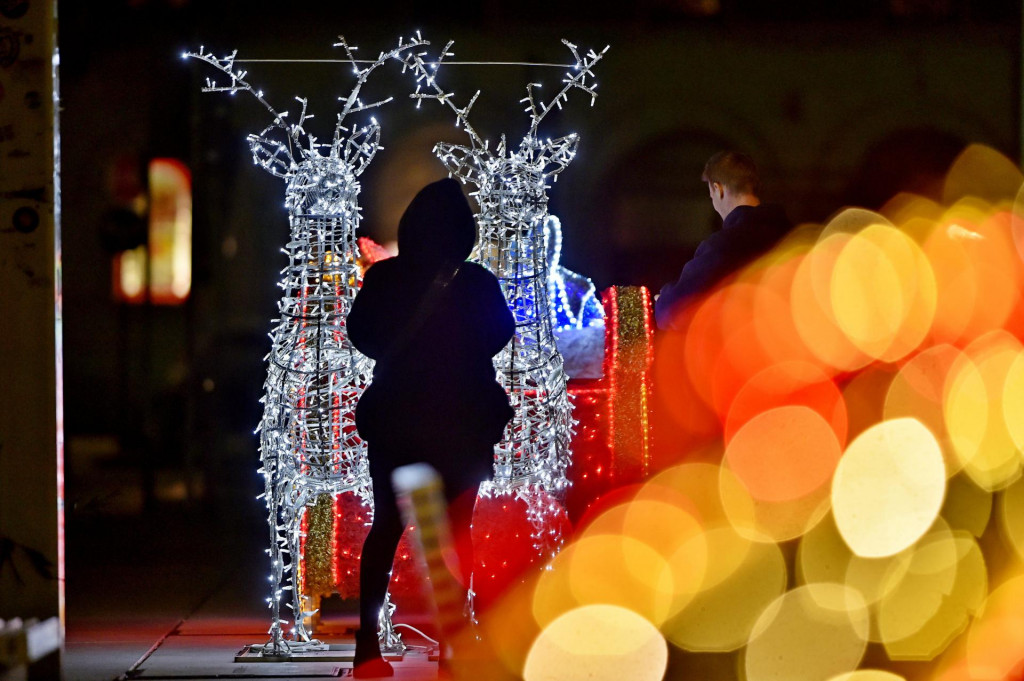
column 513, row 205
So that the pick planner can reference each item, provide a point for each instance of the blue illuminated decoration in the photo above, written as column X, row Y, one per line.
column 572, row 298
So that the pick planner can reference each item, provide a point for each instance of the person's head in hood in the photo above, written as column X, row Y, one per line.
column 438, row 225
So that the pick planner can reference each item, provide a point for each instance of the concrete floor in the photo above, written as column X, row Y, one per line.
column 176, row 593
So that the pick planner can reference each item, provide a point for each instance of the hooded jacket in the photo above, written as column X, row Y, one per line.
column 439, row 382
column 747, row 232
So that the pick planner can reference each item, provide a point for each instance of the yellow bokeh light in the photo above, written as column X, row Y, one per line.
column 811, row 307
column 726, row 552
column 688, row 572
column 508, row 627
column 868, row 675
column 905, row 208
column 888, row 488
column 853, row 220
column 995, row 642
column 605, row 568
column 1011, row 515
column 668, row 529
column 1013, row 400
column 768, row 521
column 944, row 585
column 662, row 526
column 883, row 292
column 823, row 556
column 813, row 632
column 720, row 618
column 552, row 594
column 917, row 391
column 975, row 419
column 597, row 643
column 698, row 484
column 875, row 578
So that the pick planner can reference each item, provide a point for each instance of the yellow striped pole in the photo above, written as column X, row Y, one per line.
column 420, row 495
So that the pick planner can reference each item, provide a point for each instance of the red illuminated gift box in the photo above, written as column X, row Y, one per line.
column 611, row 447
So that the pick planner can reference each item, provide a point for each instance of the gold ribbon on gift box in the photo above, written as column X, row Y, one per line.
column 630, row 338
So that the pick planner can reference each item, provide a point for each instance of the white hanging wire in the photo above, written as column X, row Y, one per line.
column 370, row 61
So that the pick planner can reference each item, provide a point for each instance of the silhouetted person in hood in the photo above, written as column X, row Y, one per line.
column 432, row 322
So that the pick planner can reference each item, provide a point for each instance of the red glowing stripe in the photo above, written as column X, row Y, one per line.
column 336, row 426
column 301, row 572
column 611, row 369
column 645, row 382
column 335, row 531
column 589, row 393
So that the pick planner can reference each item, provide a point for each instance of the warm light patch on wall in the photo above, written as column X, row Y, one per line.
column 169, row 250
column 130, row 275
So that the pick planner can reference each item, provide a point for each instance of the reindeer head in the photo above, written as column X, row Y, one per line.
column 536, row 160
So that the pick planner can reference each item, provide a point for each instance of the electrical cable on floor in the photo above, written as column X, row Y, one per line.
column 409, row 626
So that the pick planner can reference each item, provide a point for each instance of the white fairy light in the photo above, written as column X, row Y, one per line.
column 308, row 441
column 512, row 194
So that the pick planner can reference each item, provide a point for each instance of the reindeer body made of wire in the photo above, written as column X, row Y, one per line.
column 309, row 446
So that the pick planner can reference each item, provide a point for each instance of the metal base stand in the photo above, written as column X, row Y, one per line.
column 311, row 652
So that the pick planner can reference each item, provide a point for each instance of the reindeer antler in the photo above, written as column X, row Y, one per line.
column 414, row 61
column 352, row 102
column 272, row 155
column 278, row 158
column 572, row 80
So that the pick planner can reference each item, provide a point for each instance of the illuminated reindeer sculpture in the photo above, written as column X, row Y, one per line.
column 309, row 447
column 511, row 191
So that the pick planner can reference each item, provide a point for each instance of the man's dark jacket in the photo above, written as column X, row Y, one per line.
column 747, row 232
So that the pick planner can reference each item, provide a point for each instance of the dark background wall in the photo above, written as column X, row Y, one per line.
column 840, row 103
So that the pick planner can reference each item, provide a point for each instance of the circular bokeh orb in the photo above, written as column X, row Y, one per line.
column 597, row 643
column 605, row 569
column 784, row 453
column 980, row 430
column 888, row 488
column 995, row 640
column 917, row 391
column 868, row 675
column 933, row 602
column 811, row 633
column 720, row 617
